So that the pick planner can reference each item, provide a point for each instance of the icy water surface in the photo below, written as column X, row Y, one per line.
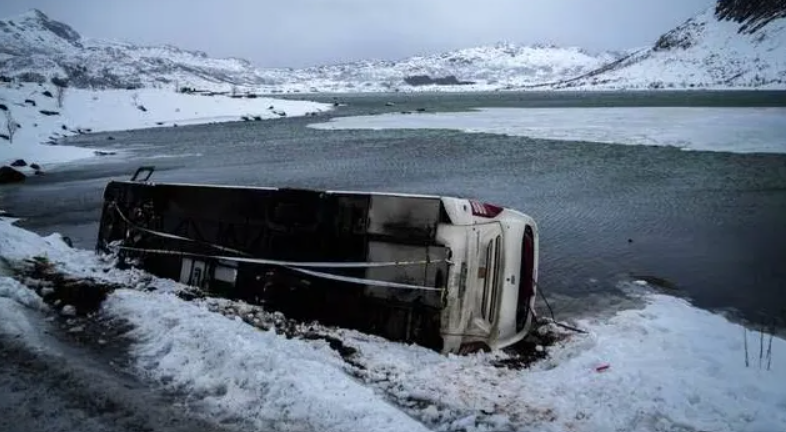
column 710, row 225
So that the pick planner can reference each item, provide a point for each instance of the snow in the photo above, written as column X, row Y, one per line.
column 715, row 56
column 672, row 366
column 738, row 130
column 230, row 369
column 114, row 110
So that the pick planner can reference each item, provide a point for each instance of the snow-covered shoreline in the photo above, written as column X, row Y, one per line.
column 671, row 366
column 42, row 119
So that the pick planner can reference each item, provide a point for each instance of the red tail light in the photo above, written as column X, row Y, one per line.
column 484, row 209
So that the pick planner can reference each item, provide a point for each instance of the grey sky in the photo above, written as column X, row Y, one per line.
column 309, row 32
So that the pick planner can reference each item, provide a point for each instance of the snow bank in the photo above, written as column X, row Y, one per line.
column 672, row 367
column 737, row 130
column 111, row 110
column 229, row 369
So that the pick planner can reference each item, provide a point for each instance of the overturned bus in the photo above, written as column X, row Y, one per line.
column 452, row 274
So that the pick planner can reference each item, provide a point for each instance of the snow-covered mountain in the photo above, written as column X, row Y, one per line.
column 35, row 48
column 715, row 49
column 496, row 66
column 732, row 45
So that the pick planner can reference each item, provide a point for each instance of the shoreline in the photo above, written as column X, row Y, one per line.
column 43, row 120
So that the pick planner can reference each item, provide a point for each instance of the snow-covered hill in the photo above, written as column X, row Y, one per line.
column 706, row 51
column 487, row 67
column 36, row 48
column 735, row 47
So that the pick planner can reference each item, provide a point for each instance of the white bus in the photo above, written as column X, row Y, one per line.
column 452, row 274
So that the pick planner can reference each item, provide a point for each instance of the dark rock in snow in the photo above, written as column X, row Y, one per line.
column 10, row 175
column 5, row 137
column 47, row 93
column 142, row 108
column 104, row 153
column 419, row 80
column 49, row 113
column 19, row 163
column 110, row 138
column 30, row 102
column 3, row 107
column 63, row 127
column 35, row 166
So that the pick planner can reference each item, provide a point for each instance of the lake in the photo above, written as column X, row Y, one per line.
column 707, row 225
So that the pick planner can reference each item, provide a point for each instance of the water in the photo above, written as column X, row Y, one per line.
column 708, row 225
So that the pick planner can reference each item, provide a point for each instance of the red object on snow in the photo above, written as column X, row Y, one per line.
column 602, row 368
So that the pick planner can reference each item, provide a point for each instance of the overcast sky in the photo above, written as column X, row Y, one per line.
column 310, row 32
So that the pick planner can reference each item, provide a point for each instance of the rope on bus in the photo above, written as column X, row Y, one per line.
column 172, row 236
column 298, row 264
column 298, row 267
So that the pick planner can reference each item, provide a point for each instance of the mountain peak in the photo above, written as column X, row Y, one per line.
column 34, row 25
column 34, row 15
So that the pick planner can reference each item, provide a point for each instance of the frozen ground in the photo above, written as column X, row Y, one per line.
column 738, row 130
column 671, row 366
column 112, row 110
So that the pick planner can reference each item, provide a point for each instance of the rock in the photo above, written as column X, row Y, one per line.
column 19, row 163
column 104, row 153
column 421, row 110
column 49, row 113
column 5, row 137
column 389, row 104
column 47, row 93
column 142, row 108
column 110, row 138
column 68, row 310
column 10, row 175
column 30, row 102
column 63, row 127
column 76, row 329
column 35, row 166
column 3, row 107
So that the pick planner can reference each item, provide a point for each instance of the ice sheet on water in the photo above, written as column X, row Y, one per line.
column 737, row 130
